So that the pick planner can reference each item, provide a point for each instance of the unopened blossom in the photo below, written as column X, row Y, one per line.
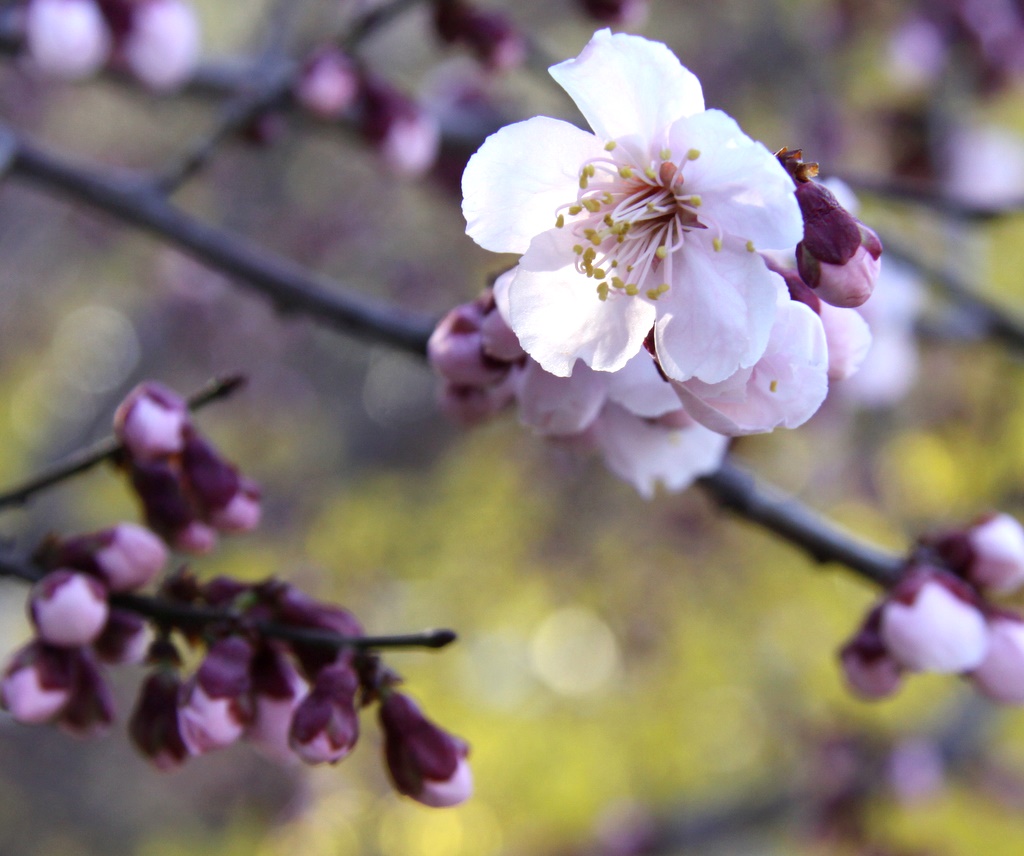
column 652, row 221
column 66, row 38
column 153, row 726
column 68, row 609
column 131, row 557
column 162, row 46
column 277, row 690
column 868, row 667
column 151, row 422
column 996, row 546
column 490, row 35
column 930, row 623
column 242, row 512
column 328, row 84
column 125, row 638
column 37, row 683
column 1000, row 676
column 325, row 725
column 213, row 709
column 621, row 13
column 456, row 348
column 90, row 708
column 425, row 762
column 406, row 136
column 168, row 510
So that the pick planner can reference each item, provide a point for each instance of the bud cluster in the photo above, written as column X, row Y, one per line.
column 157, row 41
column 331, row 86
column 57, row 676
column 938, row 618
column 189, row 493
column 491, row 36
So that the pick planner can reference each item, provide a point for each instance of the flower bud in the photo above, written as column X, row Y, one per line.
column 472, row 405
column 325, row 726
column 997, row 547
column 1001, row 674
column 328, row 84
column 242, row 512
column 425, row 762
column 930, row 623
column 455, row 349
column 497, row 339
column 211, row 480
column 164, row 504
column 620, row 13
column 66, row 38
column 869, row 669
column 277, row 691
column 848, row 338
column 407, row 137
column 490, row 35
column 124, row 640
column 212, row 712
column 153, row 726
column 151, row 422
column 37, row 684
column 131, row 557
column 68, row 609
column 90, row 709
column 298, row 609
column 162, row 46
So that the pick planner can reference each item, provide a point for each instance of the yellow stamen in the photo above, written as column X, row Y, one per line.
column 696, row 201
column 666, row 154
column 774, row 386
column 575, row 209
column 592, row 205
column 578, row 249
column 650, row 173
column 663, row 288
column 602, row 291
column 750, row 246
column 693, row 154
column 599, row 274
column 590, row 254
column 632, row 289
column 590, row 170
column 608, row 221
column 560, row 222
column 717, row 244
column 653, row 293
column 661, row 252
column 625, row 172
column 610, row 146
column 617, row 282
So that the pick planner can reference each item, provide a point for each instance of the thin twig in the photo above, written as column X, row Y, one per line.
column 291, row 287
column 738, row 491
column 105, row 449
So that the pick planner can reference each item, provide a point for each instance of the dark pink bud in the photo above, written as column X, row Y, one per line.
column 210, row 479
column 490, row 35
column 131, row 557
column 425, row 762
column 277, row 691
column 213, row 710
column 90, row 709
column 125, row 638
column 153, row 726
column 621, row 13
column 165, row 506
column 498, row 340
column 38, row 681
column 406, row 136
column 455, row 349
column 151, row 421
column 328, row 83
column 325, row 726
column 68, row 609
column 869, row 669
column 242, row 512
column 298, row 609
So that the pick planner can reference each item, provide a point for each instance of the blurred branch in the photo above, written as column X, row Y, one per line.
column 739, row 492
column 189, row 617
column 107, row 448
column 291, row 287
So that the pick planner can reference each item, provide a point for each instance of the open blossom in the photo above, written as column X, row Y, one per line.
column 649, row 222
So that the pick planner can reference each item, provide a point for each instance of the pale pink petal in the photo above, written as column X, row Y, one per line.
column 998, row 545
column 744, row 190
column 66, row 38
column 785, row 388
column 640, row 388
column 849, row 340
column 513, row 185
column 162, row 48
column 1001, row 674
column 647, row 454
column 626, row 85
column 559, row 318
column 555, row 405
column 718, row 314
column 452, row 791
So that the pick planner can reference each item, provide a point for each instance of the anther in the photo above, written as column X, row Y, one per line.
column 661, row 252
column 717, row 244
column 575, row 209
column 750, row 246
column 560, row 222
column 650, row 173
column 625, row 172
column 693, row 154
column 608, row 221
column 610, row 146
column 653, row 293
column 599, row 274
column 666, row 154
column 578, row 249
column 632, row 289
column 773, row 386
column 617, row 282
column 592, row 205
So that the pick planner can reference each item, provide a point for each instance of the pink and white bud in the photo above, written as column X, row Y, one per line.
column 213, row 710
column 328, row 84
column 153, row 726
column 997, row 545
column 278, row 689
column 931, row 624
column 424, row 761
column 297, row 609
column 242, row 512
column 68, row 609
column 497, row 339
column 455, row 349
column 407, row 137
column 197, row 538
column 162, row 47
column 325, row 726
column 132, row 557
column 473, row 405
column 1001, row 674
column 151, row 422
column 620, row 13
column 869, row 669
column 37, row 684
column 849, row 285
column 125, row 639
column 490, row 35
column 66, row 38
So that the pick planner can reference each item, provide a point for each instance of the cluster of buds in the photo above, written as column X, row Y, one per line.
column 292, row 697
column 57, row 676
column 189, row 493
column 157, row 41
column 491, row 36
column 839, row 257
column 618, row 13
column 331, row 86
column 938, row 618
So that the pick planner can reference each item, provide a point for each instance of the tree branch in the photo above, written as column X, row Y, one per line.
column 106, row 449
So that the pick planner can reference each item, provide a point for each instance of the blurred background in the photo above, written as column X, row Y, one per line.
column 634, row 677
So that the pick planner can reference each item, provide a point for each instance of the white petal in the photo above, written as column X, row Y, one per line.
column 718, row 314
column 519, row 176
column 849, row 340
column 786, row 386
column 628, row 85
column 557, row 315
column 744, row 190
column 557, row 406
column 646, row 454
column 639, row 387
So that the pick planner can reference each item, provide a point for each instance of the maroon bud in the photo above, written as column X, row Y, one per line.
column 125, row 638
column 869, row 669
column 210, row 479
column 90, row 709
column 37, row 684
column 214, row 707
column 124, row 557
column 455, row 349
column 153, row 726
column 298, row 609
column 325, row 725
column 425, row 762
column 406, row 136
column 277, row 691
column 490, row 35
column 621, row 13
column 150, row 422
column 165, row 505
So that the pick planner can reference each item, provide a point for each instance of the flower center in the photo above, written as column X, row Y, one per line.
column 631, row 217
